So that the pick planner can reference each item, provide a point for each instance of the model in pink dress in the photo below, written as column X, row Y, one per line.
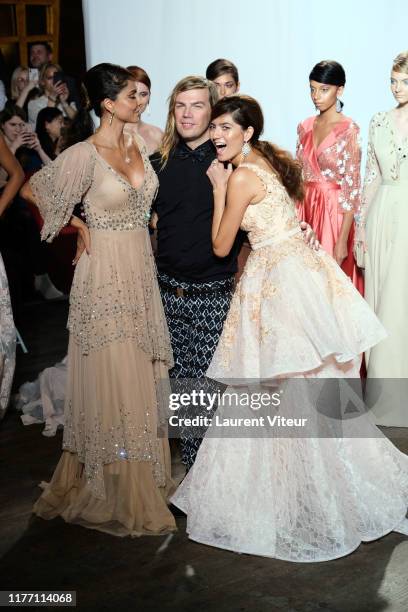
column 331, row 170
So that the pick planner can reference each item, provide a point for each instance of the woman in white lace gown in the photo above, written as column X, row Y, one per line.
column 382, row 248
column 11, row 178
column 294, row 314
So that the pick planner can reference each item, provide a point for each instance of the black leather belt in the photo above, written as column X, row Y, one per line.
column 182, row 292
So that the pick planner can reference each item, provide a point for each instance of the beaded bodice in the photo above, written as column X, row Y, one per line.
column 274, row 215
column 112, row 203
column 80, row 174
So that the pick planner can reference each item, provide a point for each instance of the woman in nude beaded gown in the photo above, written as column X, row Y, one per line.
column 114, row 472
column 294, row 314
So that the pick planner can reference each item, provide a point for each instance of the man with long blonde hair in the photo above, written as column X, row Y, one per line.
column 196, row 285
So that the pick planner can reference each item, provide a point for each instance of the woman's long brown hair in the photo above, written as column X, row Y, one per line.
column 247, row 113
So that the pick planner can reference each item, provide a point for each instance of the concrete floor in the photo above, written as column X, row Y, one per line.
column 162, row 573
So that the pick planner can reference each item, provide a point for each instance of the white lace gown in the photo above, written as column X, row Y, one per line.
column 310, row 498
column 7, row 342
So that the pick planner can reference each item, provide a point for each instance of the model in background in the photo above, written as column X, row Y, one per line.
column 224, row 74
column 114, row 472
column 382, row 248
column 329, row 150
column 151, row 134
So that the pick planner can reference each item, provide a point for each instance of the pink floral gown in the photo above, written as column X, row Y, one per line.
column 332, row 179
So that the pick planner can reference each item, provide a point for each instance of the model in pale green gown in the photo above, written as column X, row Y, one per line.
column 384, row 225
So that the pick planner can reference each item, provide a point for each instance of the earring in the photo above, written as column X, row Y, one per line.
column 339, row 105
column 246, row 149
column 111, row 117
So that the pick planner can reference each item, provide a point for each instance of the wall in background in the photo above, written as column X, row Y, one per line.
column 274, row 43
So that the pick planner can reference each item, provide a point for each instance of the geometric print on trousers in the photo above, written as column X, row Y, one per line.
column 195, row 324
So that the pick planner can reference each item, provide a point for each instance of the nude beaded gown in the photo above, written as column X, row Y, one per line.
column 114, row 472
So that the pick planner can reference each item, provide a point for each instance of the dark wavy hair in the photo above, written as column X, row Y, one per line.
column 328, row 72
column 105, row 81
column 81, row 126
column 247, row 113
column 11, row 110
column 46, row 115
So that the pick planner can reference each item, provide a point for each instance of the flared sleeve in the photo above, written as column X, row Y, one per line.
column 349, row 161
column 59, row 186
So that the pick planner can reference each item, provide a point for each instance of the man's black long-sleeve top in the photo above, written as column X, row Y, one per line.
column 184, row 205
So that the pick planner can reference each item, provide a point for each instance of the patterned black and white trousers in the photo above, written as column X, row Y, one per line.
column 195, row 314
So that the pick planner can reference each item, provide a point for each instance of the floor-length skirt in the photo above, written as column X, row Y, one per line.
column 125, row 495
column 304, row 495
column 386, row 290
column 320, row 208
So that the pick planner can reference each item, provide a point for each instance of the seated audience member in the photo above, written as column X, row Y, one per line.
column 22, row 89
column 54, row 94
column 225, row 76
column 49, row 126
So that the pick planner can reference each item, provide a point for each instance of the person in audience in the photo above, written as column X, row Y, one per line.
column 22, row 89
column 40, row 53
column 151, row 134
column 11, row 179
column 49, row 126
column 54, row 94
column 18, row 134
column 224, row 74
column 26, row 260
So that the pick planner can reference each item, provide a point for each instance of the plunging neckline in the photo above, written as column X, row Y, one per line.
column 318, row 148
column 118, row 174
column 399, row 142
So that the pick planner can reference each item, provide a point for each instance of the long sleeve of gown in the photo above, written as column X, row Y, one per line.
column 372, row 180
column 349, row 162
column 59, row 186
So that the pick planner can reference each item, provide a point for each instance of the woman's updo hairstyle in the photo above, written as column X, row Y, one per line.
column 247, row 113
column 105, row 81
column 328, row 72
column 400, row 64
